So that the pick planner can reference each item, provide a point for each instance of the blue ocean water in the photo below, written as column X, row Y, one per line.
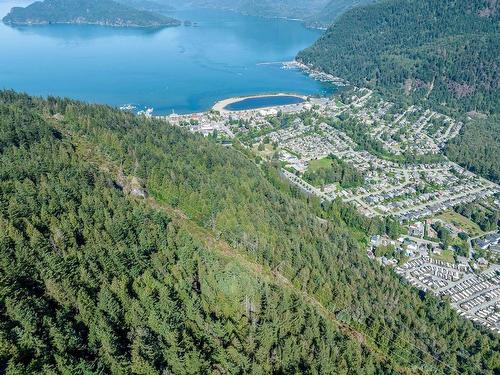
column 263, row 101
column 181, row 69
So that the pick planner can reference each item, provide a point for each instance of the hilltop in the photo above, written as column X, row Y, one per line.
column 89, row 12
column 328, row 14
column 147, row 5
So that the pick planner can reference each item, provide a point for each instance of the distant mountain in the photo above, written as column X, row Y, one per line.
column 333, row 10
column 147, row 5
column 313, row 12
column 298, row 9
column 93, row 12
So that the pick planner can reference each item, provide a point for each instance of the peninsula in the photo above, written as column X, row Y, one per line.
column 87, row 12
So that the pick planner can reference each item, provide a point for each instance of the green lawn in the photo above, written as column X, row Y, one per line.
column 314, row 165
column 446, row 256
column 471, row 228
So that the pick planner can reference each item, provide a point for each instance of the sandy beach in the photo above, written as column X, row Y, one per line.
column 221, row 105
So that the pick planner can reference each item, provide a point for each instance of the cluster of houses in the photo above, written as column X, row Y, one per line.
column 398, row 133
column 475, row 296
column 427, row 273
column 304, row 186
column 489, row 242
column 407, row 192
column 464, row 193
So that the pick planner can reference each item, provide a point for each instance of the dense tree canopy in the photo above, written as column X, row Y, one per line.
column 445, row 52
column 477, row 147
column 334, row 170
column 225, row 268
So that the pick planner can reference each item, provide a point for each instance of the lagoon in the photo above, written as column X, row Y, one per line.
column 182, row 69
column 264, row 101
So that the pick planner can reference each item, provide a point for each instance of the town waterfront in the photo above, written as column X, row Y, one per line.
column 183, row 69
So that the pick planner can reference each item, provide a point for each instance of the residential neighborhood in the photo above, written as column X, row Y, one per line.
column 420, row 193
column 300, row 134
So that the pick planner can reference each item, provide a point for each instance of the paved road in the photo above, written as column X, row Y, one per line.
column 421, row 240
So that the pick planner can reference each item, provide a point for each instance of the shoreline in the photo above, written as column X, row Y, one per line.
column 316, row 74
column 221, row 105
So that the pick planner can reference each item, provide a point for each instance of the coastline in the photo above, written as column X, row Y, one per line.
column 221, row 105
column 90, row 23
column 315, row 74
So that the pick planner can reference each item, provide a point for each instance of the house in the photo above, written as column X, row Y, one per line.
column 374, row 240
column 495, row 248
column 492, row 239
column 437, row 251
column 483, row 245
column 412, row 246
column 416, row 229
column 409, row 253
column 483, row 262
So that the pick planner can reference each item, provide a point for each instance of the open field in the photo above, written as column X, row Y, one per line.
column 471, row 228
column 314, row 165
column 267, row 152
column 446, row 256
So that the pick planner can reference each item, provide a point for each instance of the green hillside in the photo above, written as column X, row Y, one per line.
column 147, row 5
column 439, row 54
column 95, row 12
column 224, row 268
column 445, row 52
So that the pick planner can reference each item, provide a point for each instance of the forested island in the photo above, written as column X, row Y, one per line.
column 86, row 12
column 132, row 246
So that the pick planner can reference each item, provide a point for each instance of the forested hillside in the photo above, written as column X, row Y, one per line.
column 147, row 5
column 265, row 8
column 445, row 52
column 477, row 147
column 223, row 269
column 439, row 54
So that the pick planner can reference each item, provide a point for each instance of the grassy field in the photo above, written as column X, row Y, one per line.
column 320, row 163
column 472, row 229
column 446, row 256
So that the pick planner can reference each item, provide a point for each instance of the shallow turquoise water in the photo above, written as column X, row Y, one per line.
column 185, row 69
column 263, row 101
